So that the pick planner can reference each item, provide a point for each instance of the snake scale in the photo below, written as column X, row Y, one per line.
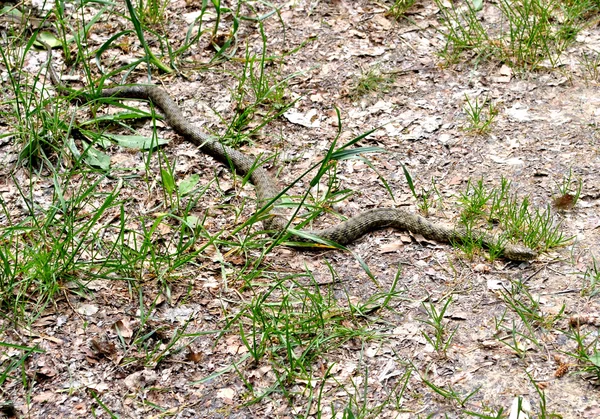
column 266, row 189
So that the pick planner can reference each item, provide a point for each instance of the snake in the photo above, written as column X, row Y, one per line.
column 268, row 194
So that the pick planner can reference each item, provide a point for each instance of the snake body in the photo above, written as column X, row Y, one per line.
column 267, row 191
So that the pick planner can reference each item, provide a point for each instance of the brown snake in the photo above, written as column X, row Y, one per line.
column 267, row 191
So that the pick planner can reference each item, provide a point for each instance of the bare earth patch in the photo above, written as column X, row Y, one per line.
column 193, row 360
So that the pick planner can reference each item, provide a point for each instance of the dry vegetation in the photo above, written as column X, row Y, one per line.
column 135, row 279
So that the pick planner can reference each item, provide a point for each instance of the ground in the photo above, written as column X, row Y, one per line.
column 147, row 346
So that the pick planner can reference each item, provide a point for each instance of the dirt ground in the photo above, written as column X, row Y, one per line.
column 546, row 125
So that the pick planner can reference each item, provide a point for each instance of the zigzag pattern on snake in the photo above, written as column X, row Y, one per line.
column 266, row 189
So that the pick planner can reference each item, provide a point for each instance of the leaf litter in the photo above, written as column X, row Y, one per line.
column 546, row 125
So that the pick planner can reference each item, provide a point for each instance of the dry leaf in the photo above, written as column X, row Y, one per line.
column 481, row 267
column 46, row 396
column 234, row 346
column 505, row 75
column 565, row 202
column 140, row 379
column 192, row 356
column 309, row 120
column 104, row 347
column 391, row 247
column 123, row 328
column 47, row 371
column 520, row 408
column 226, row 394
column 87, row 309
column 45, row 321
column 494, row 284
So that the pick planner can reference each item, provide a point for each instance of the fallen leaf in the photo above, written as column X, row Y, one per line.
column 515, row 161
column 46, row 396
column 87, row 309
column 226, row 394
column 494, row 285
column 140, row 379
column 369, row 51
column 489, row 344
column 505, row 74
column 192, row 356
column 45, row 321
column 308, row 120
column 520, row 408
column 391, row 247
column 123, row 328
column 564, row 202
column 104, row 347
column 234, row 346
column 481, row 267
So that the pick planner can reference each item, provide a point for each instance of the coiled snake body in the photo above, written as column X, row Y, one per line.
column 266, row 189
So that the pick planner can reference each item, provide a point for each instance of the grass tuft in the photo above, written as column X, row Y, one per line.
column 529, row 33
column 399, row 8
column 371, row 80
